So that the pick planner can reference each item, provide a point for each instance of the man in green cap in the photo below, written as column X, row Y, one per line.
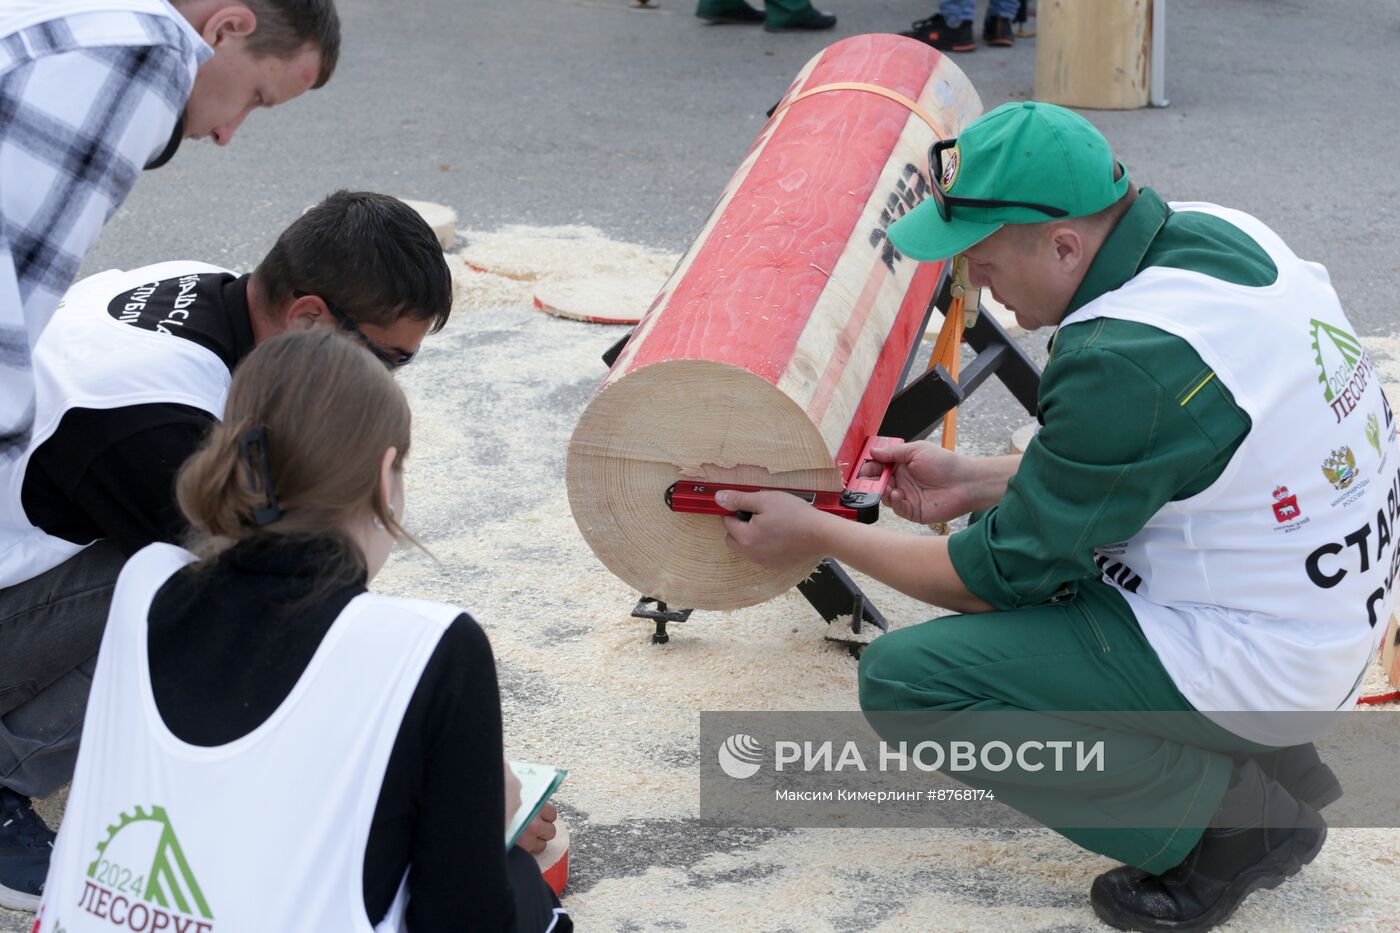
column 1203, row 525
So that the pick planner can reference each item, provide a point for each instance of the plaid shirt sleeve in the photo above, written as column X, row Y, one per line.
column 85, row 103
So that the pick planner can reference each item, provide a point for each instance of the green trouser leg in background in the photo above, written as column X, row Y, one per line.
column 723, row 9
column 783, row 12
column 1087, row 653
column 779, row 14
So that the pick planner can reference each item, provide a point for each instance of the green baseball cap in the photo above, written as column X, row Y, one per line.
column 1023, row 163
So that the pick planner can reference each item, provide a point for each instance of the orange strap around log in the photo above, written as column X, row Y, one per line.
column 910, row 105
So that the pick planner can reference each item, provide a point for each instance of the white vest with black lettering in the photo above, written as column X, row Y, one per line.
column 86, row 358
column 1269, row 590
column 266, row 833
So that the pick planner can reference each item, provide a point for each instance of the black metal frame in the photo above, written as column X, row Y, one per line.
column 916, row 410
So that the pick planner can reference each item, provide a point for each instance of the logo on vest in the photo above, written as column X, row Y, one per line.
column 1340, row 470
column 1344, row 369
column 162, row 306
column 1287, row 513
column 141, row 880
column 1373, row 434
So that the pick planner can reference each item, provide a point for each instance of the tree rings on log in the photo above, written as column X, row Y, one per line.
column 694, row 419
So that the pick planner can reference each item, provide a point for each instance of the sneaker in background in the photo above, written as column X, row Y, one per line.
column 996, row 30
column 936, row 32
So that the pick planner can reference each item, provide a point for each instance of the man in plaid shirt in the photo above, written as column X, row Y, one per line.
column 92, row 92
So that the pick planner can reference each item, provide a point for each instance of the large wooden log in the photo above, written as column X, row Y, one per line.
column 773, row 350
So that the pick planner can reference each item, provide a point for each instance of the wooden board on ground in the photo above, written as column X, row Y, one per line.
column 773, row 350
column 440, row 217
column 599, row 299
column 571, row 271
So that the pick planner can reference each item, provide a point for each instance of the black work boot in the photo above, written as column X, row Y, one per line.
column 25, row 845
column 1258, row 838
column 1302, row 773
column 996, row 30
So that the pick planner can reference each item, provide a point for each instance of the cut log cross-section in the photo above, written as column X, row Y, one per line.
column 773, row 350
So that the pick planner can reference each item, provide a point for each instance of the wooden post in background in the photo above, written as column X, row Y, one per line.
column 1094, row 53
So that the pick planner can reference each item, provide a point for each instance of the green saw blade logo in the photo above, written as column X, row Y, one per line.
column 1336, row 354
column 170, row 882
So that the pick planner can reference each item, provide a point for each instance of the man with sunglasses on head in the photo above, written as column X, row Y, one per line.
column 130, row 374
column 1201, row 527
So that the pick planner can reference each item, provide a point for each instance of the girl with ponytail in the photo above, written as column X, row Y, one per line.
column 316, row 756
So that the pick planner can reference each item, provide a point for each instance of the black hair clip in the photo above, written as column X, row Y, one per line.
column 256, row 437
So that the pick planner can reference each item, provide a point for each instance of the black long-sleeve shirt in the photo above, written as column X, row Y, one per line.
column 110, row 472
column 227, row 645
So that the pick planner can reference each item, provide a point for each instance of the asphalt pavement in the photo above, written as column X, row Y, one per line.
column 566, row 111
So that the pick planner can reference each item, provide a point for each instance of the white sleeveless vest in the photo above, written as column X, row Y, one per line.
column 1270, row 589
column 266, row 833
column 88, row 359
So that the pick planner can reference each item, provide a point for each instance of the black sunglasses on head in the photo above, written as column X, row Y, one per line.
column 946, row 202
column 347, row 323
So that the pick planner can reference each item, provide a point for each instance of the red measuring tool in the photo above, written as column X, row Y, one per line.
column 859, row 501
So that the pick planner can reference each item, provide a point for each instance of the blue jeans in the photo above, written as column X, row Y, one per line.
column 50, row 629
column 956, row 11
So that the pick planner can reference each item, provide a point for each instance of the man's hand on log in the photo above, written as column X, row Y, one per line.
column 782, row 530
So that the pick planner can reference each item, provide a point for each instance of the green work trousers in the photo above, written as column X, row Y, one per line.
column 780, row 12
column 1082, row 653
